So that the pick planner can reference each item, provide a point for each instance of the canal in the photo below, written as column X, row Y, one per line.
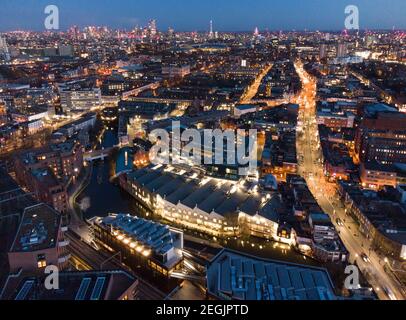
column 102, row 197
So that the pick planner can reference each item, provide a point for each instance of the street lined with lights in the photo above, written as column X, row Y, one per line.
column 312, row 169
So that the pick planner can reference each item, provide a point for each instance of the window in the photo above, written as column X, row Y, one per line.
column 41, row 261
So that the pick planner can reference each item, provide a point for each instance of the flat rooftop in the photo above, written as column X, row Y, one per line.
column 320, row 218
column 46, row 176
column 145, row 236
column 209, row 195
column 231, row 275
column 38, row 229
column 80, row 286
column 385, row 214
column 13, row 201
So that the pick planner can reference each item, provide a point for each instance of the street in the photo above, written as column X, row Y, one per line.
column 311, row 167
column 253, row 88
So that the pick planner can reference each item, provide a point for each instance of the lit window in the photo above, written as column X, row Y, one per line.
column 41, row 261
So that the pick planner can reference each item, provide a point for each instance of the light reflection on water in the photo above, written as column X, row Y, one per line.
column 101, row 196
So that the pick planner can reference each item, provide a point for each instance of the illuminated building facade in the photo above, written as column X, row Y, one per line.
column 154, row 246
column 84, row 99
column 381, row 136
column 219, row 208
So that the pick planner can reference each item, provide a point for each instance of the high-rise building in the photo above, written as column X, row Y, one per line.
column 211, row 33
column 171, row 33
column 152, row 28
column 74, row 32
column 4, row 52
column 341, row 50
column 323, row 51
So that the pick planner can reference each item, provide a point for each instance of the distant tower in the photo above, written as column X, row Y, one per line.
column 256, row 32
column 211, row 33
column 152, row 28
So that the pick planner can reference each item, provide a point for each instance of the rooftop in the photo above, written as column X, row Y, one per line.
column 146, row 237
column 373, row 109
column 89, row 285
column 386, row 215
column 46, row 177
column 231, row 275
column 13, row 201
column 36, row 155
column 38, row 229
column 210, row 195
column 320, row 218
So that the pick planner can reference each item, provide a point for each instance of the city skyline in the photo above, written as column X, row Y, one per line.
column 182, row 16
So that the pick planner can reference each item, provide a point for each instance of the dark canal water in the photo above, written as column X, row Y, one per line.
column 102, row 197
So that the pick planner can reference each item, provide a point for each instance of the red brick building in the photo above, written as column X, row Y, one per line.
column 381, row 135
column 47, row 171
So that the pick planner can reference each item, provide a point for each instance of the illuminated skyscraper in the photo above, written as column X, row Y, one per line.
column 211, row 33
column 152, row 27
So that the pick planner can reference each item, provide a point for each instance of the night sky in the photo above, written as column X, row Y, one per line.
column 194, row 15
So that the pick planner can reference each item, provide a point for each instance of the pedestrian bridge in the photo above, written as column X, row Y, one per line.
column 97, row 154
